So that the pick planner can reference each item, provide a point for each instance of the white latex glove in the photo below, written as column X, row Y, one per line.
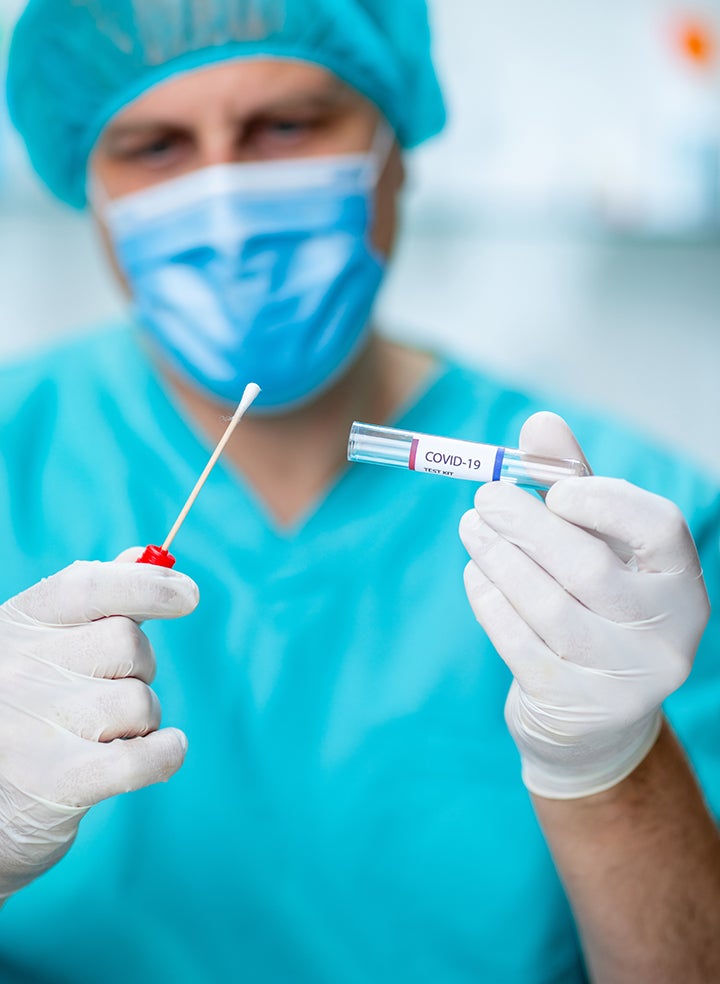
column 74, row 675
column 596, row 636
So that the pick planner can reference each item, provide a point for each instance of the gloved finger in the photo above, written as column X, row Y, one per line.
column 527, row 657
column 89, row 590
column 548, row 435
column 113, row 648
column 96, row 710
column 585, row 566
column 568, row 628
column 653, row 528
column 122, row 766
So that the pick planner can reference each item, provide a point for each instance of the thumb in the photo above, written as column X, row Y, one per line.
column 125, row 765
column 130, row 556
column 90, row 590
column 546, row 434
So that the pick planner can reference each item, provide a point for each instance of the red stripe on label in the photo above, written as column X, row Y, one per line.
column 413, row 454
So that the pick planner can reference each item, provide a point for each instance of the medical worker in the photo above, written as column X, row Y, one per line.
column 366, row 785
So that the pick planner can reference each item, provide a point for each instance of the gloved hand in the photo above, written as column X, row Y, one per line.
column 74, row 675
column 597, row 632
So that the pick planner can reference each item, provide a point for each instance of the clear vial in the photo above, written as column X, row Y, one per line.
column 451, row 458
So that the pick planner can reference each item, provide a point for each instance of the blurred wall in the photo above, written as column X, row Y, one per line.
column 565, row 232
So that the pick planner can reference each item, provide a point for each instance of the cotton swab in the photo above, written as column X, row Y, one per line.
column 160, row 556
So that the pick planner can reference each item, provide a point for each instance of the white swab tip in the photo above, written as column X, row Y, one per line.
column 252, row 391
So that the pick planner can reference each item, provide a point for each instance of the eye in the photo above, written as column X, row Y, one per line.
column 288, row 127
column 160, row 150
column 278, row 134
column 157, row 148
column 152, row 150
column 284, row 131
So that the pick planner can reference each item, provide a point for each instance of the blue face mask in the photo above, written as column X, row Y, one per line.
column 261, row 272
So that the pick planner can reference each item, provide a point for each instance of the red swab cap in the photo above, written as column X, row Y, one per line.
column 157, row 557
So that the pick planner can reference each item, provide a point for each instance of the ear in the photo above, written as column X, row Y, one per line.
column 387, row 193
column 109, row 251
column 398, row 171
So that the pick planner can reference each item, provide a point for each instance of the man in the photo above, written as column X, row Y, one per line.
column 351, row 807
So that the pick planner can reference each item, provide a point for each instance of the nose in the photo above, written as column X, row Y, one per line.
column 219, row 143
column 217, row 149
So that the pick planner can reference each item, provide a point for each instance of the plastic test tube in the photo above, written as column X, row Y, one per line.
column 458, row 459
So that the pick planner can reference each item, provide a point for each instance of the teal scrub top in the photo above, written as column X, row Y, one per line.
column 351, row 808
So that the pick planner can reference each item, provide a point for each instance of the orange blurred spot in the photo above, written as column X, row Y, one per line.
column 698, row 42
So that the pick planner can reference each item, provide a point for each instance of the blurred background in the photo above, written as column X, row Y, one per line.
column 564, row 233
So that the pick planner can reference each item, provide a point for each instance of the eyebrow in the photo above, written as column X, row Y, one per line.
column 335, row 94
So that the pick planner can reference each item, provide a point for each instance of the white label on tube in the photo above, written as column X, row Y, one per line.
column 456, row 459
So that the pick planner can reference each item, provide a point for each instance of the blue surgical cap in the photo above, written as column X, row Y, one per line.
column 75, row 63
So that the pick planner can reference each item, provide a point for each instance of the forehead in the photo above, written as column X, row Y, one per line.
column 240, row 88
